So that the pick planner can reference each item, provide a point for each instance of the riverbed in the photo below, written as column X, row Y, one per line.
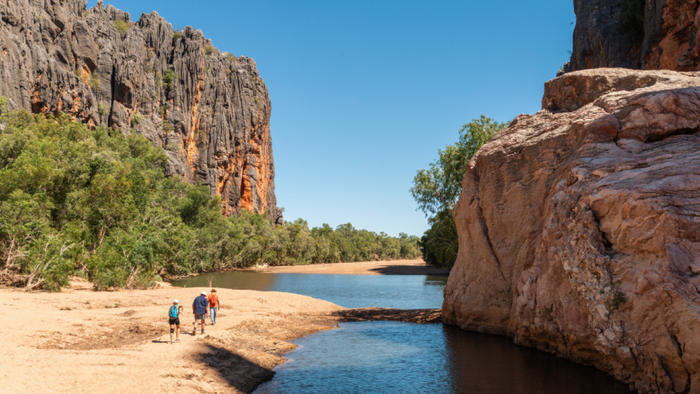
column 404, row 357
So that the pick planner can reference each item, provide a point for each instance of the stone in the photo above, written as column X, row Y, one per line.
column 579, row 228
column 640, row 34
column 208, row 110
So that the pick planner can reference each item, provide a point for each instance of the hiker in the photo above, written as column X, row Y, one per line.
column 174, row 320
column 199, row 308
column 214, row 305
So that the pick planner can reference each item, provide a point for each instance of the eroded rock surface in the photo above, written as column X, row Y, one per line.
column 645, row 34
column 579, row 228
column 209, row 110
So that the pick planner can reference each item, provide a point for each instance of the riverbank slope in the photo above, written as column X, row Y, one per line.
column 115, row 342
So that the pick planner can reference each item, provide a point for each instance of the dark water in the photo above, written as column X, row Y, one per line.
column 396, row 357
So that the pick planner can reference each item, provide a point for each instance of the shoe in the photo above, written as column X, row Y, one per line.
column 202, row 331
column 177, row 340
column 194, row 331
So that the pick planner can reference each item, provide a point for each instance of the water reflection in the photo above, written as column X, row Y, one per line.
column 491, row 364
column 395, row 357
column 411, row 358
column 352, row 291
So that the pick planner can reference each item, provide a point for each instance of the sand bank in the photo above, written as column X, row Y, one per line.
column 390, row 267
column 117, row 342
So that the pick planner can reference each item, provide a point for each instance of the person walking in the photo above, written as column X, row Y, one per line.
column 214, row 305
column 199, row 308
column 174, row 320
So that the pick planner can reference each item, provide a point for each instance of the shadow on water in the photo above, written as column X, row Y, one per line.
column 239, row 372
column 411, row 270
column 481, row 363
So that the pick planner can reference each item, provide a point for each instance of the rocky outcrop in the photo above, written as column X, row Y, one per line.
column 579, row 228
column 210, row 111
column 654, row 34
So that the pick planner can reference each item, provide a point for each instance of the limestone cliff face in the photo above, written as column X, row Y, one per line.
column 642, row 34
column 210, row 111
column 579, row 228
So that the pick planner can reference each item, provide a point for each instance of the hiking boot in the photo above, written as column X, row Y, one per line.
column 194, row 331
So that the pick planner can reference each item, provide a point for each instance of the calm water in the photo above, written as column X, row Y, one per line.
column 396, row 357
column 350, row 291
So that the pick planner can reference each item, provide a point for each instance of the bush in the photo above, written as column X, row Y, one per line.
column 122, row 26
column 97, row 204
column 177, row 36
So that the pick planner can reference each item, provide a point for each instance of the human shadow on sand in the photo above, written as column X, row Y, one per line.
column 240, row 373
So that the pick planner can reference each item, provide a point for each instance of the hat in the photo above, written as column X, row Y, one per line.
column 204, row 293
column 175, row 301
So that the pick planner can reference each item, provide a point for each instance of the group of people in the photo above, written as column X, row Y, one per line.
column 203, row 304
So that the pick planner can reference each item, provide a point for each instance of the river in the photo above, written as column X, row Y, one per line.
column 397, row 357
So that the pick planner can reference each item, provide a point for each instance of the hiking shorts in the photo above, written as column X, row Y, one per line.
column 199, row 316
column 174, row 320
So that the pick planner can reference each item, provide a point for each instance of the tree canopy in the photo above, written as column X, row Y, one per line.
column 437, row 188
column 98, row 204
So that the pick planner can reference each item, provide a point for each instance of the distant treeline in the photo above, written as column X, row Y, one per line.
column 97, row 204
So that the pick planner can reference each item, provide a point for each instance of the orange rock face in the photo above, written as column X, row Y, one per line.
column 579, row 229
column 208, row 110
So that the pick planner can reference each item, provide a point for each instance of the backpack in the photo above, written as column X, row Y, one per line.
column 173, row 312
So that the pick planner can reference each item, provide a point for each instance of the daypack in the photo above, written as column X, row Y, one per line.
column 173, row 312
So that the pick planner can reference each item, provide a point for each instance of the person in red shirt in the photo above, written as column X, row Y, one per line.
column 214, row 305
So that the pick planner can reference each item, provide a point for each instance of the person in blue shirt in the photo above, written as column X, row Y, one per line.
column 174, row 320
column 199, row 308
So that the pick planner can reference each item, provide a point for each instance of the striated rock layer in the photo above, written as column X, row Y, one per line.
column 210, row 111
column 579, row 228
column 647, row 34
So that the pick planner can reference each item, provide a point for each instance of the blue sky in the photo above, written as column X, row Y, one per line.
column 365, row 92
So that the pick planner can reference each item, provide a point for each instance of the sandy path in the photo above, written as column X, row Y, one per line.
column 117, row 342
column 391, row 267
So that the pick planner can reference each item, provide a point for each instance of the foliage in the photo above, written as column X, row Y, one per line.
column 168, row 78
column 136, row 119
column 122, row 26
column 208, row 49
column 439, row 244
column 230, row 57
column 177, row 36
column 437, row 188
column 95, row 80
column 96, row 203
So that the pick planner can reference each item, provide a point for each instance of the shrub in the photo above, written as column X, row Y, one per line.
column 136, row 119
column 122, row 26
column 177, row 36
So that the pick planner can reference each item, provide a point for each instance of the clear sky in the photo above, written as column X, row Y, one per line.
column 365, row 92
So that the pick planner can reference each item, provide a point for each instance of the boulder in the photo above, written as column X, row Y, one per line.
column 579, row 228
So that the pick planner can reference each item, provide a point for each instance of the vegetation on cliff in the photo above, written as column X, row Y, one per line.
column 437, row 188
column 97, row 203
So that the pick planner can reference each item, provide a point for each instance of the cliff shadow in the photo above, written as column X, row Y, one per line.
column 239, row 372
column 411, row 270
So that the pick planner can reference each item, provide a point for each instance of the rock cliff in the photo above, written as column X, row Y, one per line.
column 210, row 111
column 651, row 34
column 579, row 228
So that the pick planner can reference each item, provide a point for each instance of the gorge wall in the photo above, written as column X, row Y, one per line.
column 208, row 110
column 579, row 228
column 640, row 34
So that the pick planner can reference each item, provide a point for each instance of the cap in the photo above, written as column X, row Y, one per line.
column 175, row 301
column 204, row 293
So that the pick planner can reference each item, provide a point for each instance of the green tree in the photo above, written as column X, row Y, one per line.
column 437, row 188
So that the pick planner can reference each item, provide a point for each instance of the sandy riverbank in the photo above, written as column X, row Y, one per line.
column 391, row 267
column 117, row 342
